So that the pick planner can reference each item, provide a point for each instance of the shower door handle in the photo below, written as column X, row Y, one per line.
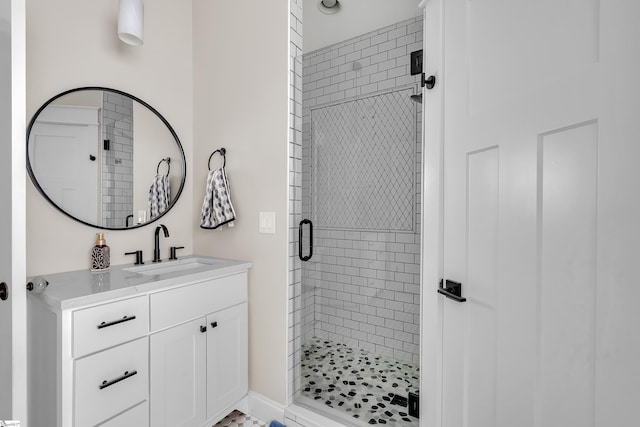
column 308, row 257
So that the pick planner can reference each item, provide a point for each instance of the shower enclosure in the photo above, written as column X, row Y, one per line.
column 356, row 194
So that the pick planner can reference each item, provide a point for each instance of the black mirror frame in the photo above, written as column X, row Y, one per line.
column 162, row 119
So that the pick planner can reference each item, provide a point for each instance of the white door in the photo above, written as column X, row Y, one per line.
column 64, row 154
column 13, row 373
column 227, row 358
column 541, row 196
column 178, row 376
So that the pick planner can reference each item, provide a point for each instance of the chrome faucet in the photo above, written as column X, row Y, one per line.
column 156, row 249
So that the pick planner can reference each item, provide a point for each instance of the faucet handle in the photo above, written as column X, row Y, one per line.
column 138, row 255
column 172, row 251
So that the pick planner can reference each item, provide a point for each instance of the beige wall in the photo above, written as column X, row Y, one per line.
column 227, row 89
column 239, row 78
column 72, row 43
column 241, row 103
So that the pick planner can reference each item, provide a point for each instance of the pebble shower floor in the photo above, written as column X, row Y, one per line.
column 357, row 382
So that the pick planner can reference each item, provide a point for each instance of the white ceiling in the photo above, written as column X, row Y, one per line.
column 354, row 18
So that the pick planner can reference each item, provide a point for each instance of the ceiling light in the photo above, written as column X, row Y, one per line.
column 131, row 21
column 329, row 6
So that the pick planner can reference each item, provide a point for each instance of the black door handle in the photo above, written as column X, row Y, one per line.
column 452, row 290
column 308, row 257
column 4, row 291
column 203, row 329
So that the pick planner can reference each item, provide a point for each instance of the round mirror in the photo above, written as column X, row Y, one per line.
column 105, row 158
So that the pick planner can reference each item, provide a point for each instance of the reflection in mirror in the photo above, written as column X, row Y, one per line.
column 105, row 158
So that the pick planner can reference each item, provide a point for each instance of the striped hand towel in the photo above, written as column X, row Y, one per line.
column 159, row 195
column 216, row 207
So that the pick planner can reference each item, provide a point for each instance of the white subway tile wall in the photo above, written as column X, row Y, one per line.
column 294, row 336
column 362, row 286
column 362, row 161
column 117, row 161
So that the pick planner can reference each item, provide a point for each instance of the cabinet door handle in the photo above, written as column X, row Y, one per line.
column 124, row 376
column 203, row 329
column 115, row 322
column 214, row 324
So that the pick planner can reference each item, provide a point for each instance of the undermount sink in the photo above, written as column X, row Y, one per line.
column 173, row 266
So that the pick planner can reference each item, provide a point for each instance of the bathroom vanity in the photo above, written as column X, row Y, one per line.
column 161, row 344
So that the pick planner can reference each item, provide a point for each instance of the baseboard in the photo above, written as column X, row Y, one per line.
column 298, row 416
column 264, row 408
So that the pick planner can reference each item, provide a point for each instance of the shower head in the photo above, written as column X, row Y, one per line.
column 417, row 98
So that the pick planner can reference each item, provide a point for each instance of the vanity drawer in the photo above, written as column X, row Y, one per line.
column 178, row 305
column 111, row 381
column 107, row 325
column 134, row 417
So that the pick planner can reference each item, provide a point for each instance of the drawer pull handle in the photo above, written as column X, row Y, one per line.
column 214, row 324
column 126, row 375
column 115, row 322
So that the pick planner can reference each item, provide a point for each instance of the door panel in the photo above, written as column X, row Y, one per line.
column 13, row 347
column 61, row 156
column 567, row 216
column 227, row 358
column 5, row 209
column 482, row 222
column 178, row 376
column 540, row 208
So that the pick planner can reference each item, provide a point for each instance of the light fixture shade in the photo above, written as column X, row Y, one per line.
column 131, row 21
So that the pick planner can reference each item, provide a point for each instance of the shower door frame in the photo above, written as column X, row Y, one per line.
column 431, row 236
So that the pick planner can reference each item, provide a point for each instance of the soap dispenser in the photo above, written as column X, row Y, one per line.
column 100, row 255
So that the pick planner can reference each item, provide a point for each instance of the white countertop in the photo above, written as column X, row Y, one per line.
column 83, row 287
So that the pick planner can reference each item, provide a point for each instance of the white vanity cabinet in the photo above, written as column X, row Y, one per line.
column 88, row 365
column 227, row 358
column 198, row 358
column 199, row 368
column 165, row 351
column 178, row 383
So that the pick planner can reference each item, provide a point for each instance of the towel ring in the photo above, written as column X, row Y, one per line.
column 168, row 160
column 223, row 153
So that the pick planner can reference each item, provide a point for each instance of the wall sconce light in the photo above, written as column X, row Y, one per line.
column 131, row 21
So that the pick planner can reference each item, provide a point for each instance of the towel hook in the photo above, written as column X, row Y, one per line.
column 168, row 160
column 223, row 153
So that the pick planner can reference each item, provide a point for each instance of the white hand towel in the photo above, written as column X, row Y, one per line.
column 159, row 195
column 216, row 207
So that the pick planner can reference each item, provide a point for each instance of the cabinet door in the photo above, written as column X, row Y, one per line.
column 227, row 358
column 178, row 376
